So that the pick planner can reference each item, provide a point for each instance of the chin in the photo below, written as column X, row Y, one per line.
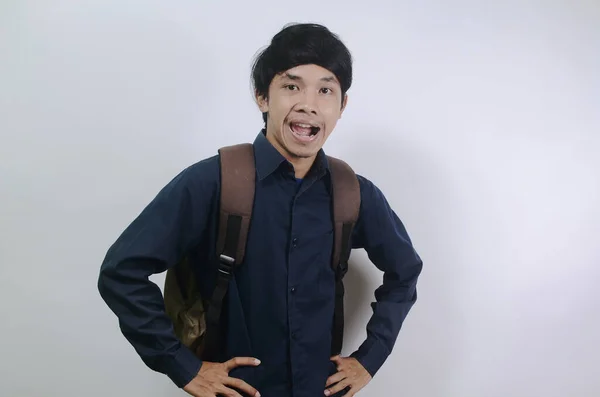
column 303, row 154
column 303, row 150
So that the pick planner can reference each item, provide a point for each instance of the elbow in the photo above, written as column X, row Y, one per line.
column 103, row 282
column 121, row 283
column 108, row 282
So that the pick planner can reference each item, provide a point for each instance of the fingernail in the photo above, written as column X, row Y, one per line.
column 327, row 392
column 257, row 362
column 257, row 394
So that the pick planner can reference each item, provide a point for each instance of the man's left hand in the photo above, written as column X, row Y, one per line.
column 351, row 374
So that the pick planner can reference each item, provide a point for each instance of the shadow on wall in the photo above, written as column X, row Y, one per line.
column 358, row 296
column 431, row 344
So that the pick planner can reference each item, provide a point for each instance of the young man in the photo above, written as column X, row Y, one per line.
column 280, row 302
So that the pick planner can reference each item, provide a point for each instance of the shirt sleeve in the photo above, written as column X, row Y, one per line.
column 167, row 228
column 383, row 236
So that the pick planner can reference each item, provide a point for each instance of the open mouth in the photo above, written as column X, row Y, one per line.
column 303, row 131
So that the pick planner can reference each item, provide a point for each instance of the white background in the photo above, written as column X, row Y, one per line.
column 480, row 121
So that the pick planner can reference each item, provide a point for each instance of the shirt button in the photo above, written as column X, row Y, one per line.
column 293, row 289
column 295, row 242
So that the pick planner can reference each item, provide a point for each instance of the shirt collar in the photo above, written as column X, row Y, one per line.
column 268, row 159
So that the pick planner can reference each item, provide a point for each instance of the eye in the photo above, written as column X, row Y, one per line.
column 291, row 87
column 326, row 90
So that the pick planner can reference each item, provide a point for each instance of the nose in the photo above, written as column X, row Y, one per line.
column 307, row 103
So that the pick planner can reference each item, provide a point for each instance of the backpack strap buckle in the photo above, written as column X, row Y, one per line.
column 226, row 264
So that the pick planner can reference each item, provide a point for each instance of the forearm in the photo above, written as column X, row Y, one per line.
column 382, row 234
column 138, row 304
column 394, row 300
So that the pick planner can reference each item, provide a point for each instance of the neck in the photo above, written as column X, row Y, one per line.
column 301, row 165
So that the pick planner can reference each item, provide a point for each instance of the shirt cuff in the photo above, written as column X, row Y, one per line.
column 371, row 355
column 181, row 367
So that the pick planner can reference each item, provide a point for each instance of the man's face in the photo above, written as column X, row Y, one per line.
column 304, row 105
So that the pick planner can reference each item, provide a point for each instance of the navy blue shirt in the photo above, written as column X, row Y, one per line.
column 280, row 302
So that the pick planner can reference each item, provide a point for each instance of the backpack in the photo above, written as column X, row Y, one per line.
column 196, row 319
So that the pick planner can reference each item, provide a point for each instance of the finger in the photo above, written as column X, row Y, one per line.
column 241, row 361
column 354, row 390
column 227, row 392
column 337, row 388
column 336, row 358
column 335, row 378
column 242, row 386
column 339, row 361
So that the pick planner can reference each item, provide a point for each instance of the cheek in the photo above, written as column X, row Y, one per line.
column 331, row 108
column 280, row 111
column 331, row 115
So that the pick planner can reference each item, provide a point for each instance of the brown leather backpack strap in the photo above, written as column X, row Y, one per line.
column 237, row 200
column 236, row 203
column 346, row 208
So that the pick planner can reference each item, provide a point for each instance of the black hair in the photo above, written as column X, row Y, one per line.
column 302, row 44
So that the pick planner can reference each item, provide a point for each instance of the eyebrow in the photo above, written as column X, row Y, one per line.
column 328, row 79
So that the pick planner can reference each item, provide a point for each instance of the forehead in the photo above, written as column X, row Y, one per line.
column 308, row 74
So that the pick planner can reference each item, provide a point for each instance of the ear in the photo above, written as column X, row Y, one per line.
column 262, row 102
column 344, row 103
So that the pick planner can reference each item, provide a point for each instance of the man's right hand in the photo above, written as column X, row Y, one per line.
column 213, row 379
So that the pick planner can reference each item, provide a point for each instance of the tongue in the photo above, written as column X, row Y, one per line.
column 301, row 130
